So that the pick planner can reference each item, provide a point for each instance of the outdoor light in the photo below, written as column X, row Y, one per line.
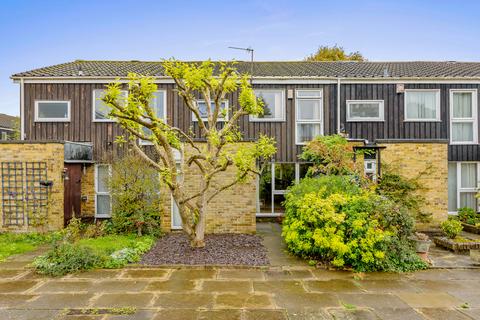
column 65, row 176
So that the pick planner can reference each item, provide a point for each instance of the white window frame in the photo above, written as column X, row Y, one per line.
column 381, row 111
column 97, row 193
column 220, row 119
column 253, row 118
column 38, row 119
column 473, row 119
column 303, row 121
column 93, row 106
column 4, row 135
column 164, row 117
column 437, row 106
column 459, row 183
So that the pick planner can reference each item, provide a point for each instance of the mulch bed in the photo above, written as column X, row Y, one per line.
column 220, row 249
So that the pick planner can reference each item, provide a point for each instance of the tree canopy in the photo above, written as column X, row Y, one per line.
column 335, row 53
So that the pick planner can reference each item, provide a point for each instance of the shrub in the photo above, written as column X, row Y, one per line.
column 67, row 258
column 135, row 196
column 468, row 215
column 451, row 228
column 334, row 220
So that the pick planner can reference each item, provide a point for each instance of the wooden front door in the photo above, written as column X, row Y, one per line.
column 72, row 192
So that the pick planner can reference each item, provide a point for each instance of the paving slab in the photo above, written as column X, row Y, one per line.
column 470, row 297
column 11, row 264
column 372, row 300
column 16, row 286
column 117, row 285
column 15, row 300
column 309, row 314
column 145, row 273
column 399, row 314
column 265, row 315
column 322, row 274
column 184, row 301
column 288, row 274
column 226, row 286
column 9, row 274
column 241, row 274
column 444, row 314
column 284, row 286
column 121, row 300
column 473, row 313
column 357, row 314
column 305, row 301
column 57, row 286
column 329, row 286
column 387, row 286
column 22, row 314
column 96, row 274
column 429, row 300
column 171, row 286
column 60, row 301
column 243, row 300
column 192, row 274
column 220, row 315
column 178, row 314
column 138, row 315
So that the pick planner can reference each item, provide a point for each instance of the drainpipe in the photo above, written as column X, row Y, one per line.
column 338, row 106
column 22, row 109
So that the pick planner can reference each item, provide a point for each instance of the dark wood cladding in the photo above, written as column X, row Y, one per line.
column 103, row 134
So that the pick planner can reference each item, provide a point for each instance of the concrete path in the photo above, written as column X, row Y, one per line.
column 287, row 290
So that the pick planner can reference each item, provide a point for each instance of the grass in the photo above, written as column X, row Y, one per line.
column 16, row 243
column 111, row 243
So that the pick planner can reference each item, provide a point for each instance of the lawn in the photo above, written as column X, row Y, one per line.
column 111, row 243
column 14, row 243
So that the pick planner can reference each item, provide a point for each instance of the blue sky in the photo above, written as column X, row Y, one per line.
column 40, row 33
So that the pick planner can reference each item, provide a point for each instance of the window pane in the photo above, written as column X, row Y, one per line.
column 462, row 105
column 364, row 110
column 452, row 186
column 469, row 175
column 309, row 93
column 303, row 169
column 101, row 109
column 273, row 104
column 462, row 131
column 421, row 105
column 202, row 108
column 157, row 103
column 284, row 175
column 53, row 110
column 103, row 205
column 309, row 109
column 265, row 190
column 307, row 131
column 176, row 219
column 467, row 199
column 278, row 200
column 102, row 178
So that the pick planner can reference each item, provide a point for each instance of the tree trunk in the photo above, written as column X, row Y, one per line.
column 198, row 241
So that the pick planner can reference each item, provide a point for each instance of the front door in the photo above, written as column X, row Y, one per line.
column 72, row 191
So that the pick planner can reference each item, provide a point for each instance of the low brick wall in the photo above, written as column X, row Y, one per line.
column 53, row 155
column 232, row 211
column 413, row 158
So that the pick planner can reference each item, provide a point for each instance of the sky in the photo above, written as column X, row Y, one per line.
column 38, row 33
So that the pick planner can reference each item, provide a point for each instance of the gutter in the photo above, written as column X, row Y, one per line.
column 22, row 109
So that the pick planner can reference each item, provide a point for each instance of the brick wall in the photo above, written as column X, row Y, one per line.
column 232, row 211
column 52, row 154
column 88, row 190
column 413, row 158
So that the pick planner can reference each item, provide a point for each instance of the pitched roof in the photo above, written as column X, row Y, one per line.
column 295, row 69
column 7, row 121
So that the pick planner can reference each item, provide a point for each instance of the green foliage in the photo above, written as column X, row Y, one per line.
column 67, row 258
column 113, row 251
column 135, row 190
column 334, row 220
column 329, row 155
column 451, row 228
column 404, row 191
column 468, row 215
column 335, row 53
column 16, row 243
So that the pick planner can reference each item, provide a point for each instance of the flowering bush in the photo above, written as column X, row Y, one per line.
column 332, row 219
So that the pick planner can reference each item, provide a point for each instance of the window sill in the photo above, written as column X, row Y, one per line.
column 367, row 120
column 422, row 120
column 53, row 120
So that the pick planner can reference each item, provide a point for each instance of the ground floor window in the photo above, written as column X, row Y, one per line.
column 102, row 193
column 463, row 181
column 273, row 184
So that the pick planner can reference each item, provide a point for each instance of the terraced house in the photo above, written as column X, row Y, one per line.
column 419, row 116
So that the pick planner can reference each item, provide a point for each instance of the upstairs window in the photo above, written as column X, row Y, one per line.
column 100, row 109
column 52, row 111
column 365, row 110
column 159, row 106
column 463, row 117
column 273, row 105
column 202, row 107
column 422, row 105
column 309, row 120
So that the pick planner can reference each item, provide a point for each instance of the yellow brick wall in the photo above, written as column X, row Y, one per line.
column 232, row 211
column 88, row 190
column 53, row 155
column 414, row 158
